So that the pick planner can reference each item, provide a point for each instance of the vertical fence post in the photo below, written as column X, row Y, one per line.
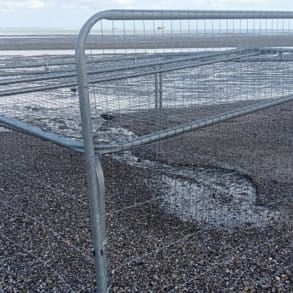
column 156, row 91
column 159, row 105
column 94, row 170
column 96, row 197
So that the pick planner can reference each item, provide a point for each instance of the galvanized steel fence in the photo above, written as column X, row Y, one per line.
column 155, row 65
column 145, row 81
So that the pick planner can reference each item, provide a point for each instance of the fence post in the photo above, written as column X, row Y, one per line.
column 94, row 170
column 96, row 197
column 159, row 105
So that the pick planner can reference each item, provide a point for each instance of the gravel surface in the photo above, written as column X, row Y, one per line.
column 45, row 237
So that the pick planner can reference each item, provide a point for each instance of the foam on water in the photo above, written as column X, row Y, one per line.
column 209, row 196
column 213, row 196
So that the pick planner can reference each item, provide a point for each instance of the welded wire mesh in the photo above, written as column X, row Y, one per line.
column 202, row 211
column 213, row 180
column 25, row 96
column 149, row 65
column 155, row 69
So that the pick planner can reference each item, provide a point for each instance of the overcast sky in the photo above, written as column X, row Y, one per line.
column 71, row 14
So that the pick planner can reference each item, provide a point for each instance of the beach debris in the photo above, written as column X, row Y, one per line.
column 108, row 116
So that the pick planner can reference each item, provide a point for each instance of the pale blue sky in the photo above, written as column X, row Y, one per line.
column 71, row 14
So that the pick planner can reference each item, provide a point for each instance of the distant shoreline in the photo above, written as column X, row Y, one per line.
column 166, row 41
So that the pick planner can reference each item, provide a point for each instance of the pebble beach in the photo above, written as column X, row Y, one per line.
column 45, row 242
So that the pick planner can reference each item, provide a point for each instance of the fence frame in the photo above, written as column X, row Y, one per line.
column 95, row 177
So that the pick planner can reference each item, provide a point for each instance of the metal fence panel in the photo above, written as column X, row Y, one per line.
column 158, row 69
column 186, row 210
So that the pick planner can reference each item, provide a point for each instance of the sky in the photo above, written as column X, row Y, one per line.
column 71, row 14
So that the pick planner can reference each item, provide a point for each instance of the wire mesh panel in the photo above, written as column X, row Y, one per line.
column 169, row 192
column 186, row 211
column 38, row 95
column 156, row 64
column 151, row 61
